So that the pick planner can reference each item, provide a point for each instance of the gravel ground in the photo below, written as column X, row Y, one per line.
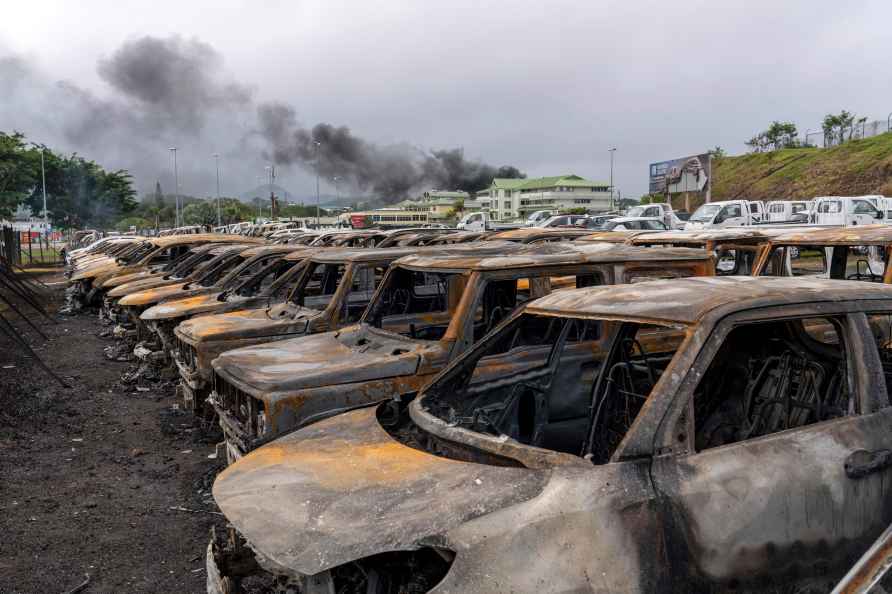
column 89, row 474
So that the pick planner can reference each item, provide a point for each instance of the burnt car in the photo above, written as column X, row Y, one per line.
column 429, row 309
column 203, row 263
column 86, row 284
column 226, row 261
column 156, row 274
column 851, row 253
column 331, row 290
column 537, row 235
column 611, row 236
column 685, row 435
column 736, row 250
column 261, row 267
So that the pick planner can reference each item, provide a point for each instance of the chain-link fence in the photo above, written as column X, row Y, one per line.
column 857, row 130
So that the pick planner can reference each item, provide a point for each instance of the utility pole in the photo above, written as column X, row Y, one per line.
column 611, row 151
column 337, row 191
column 176, row 185
column 219, row 216
column 318, row 144
column 46, row 221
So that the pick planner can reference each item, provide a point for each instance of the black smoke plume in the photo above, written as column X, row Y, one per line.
column 390, row 172
column 174, row 91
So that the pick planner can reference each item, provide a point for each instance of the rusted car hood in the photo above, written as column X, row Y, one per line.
column 141, row 285
column 343, row 489
column 188, row 306
column 325, row 359
column 94, row 271
column 247, row 323
column 150, row 296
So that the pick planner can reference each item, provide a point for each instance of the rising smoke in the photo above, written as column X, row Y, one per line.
column 174, row 91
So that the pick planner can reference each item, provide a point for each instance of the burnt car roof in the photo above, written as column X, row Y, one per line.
column 701, row 236
column 171, row 240
column 531, row 232
column 217, row 249
column 302, row 251
column 687, row 300
column 262, row 250
column 859, row 235
column 364, row 255
column 394, row 253
column 552, row 254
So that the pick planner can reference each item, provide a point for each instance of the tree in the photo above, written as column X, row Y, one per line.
column 299, row 211
column 19, row 171
column 81, row 193
column 126, row 223
column 717, row 153
column 652, row 199
column 200, row 213
column 835, row 127
column 779, row 135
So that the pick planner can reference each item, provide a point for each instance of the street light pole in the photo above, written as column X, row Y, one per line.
column 219, row 216
column 611, row 151
column 176, row 185
column 318, row 144
column 46, row 222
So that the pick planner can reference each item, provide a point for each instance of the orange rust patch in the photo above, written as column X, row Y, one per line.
column 337, row 464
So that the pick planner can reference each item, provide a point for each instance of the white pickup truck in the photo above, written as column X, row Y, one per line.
column 480, row 221
column 727, row 213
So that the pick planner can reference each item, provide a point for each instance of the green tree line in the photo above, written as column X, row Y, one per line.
column 79, row 192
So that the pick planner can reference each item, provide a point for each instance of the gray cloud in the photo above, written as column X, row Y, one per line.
column 548, row 87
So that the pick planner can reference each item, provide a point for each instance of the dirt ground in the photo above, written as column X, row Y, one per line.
column 88, row 475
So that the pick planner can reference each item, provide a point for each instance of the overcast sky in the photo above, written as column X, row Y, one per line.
column 547, row 87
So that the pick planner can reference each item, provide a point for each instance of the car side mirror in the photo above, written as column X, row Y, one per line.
column 719, row 218
column 879, row 214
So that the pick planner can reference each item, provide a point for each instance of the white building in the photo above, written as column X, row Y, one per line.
column 507, row 199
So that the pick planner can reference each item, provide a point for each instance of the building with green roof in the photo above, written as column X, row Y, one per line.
column 507, row 199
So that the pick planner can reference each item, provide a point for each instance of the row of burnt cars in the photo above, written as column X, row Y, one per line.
column 528, row 411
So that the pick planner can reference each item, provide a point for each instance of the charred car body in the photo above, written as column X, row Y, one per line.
column 736, row 250
column 259, row 269
column 851, row 253
column 427, row 311
column 688, row 435
column 86, row 284
column 208, row 260
column 332, row 290
column 128, row 307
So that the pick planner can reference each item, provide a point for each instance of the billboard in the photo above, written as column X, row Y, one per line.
column 687, row 174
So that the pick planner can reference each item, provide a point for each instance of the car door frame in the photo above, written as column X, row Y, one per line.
column 675, row 461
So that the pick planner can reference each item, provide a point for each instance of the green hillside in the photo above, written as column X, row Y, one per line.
column 855, row 168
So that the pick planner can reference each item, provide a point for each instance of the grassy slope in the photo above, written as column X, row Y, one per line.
column 855, row 168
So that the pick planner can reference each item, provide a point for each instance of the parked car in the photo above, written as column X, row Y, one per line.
column 685, row 435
